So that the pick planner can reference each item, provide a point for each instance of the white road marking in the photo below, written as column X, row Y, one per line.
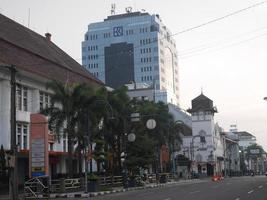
column 168, row 199
column 250, row 191
column 194, row 192
column 237, row 198
column 260, row 186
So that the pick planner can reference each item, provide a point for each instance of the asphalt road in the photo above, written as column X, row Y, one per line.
column 238, row 188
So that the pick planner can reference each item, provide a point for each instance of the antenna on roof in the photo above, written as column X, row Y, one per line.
column 201, row 90
column 29, row 17
column 113, row 8
column 128, row 9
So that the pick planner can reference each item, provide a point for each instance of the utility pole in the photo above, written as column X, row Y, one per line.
column 13, row 179
column 88, row 151
column 13, row 183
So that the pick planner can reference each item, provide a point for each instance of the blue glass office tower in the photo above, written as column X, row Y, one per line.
column 133, row 47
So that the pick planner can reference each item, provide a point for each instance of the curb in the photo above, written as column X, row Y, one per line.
column 94, row 194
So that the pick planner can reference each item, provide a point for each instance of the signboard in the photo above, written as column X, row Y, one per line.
column 38, row 146
column 118, row 31
column 254, row 151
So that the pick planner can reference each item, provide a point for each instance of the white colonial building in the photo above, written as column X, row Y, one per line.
column 205, row 147
column 37, row 60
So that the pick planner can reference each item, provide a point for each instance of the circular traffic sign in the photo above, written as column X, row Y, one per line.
column 131, row 137
column 151, row 124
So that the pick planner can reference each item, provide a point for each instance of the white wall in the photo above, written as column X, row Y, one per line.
column 4, row 113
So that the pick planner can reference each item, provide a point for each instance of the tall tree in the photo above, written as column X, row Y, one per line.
column 67, row 102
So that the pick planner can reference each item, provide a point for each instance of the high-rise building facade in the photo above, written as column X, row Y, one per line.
column 133, row 47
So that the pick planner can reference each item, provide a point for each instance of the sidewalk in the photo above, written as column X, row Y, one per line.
column 120, row 189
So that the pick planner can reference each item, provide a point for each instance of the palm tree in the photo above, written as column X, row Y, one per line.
column 114, row 130
column 67, row 104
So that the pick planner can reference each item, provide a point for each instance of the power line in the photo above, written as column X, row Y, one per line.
column 211, row 44
column 221, row 18
column 226, row 46
column 175, row 34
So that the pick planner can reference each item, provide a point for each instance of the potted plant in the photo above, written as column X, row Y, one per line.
column 93, row 182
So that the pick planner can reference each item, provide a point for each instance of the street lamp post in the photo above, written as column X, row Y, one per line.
column 88, row 138
column 134, row 117
column 181, row 124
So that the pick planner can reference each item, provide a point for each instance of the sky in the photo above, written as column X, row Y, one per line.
column 226, row 59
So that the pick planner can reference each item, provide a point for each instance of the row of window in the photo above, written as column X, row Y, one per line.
column 92, row 37
column 92, row 48
column 22, row 137
column 146, row 69
column 145, row 50
column 143, row 30
column 22, row 99
column 127, row 32
column 146, row 78
column 93, row 65
column 145, row 60
column 145, row 41
column 92, row 57
column 95, row 74
column 107, row 35
column 130, row 32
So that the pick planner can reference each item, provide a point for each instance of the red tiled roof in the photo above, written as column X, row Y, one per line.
column 34, row 53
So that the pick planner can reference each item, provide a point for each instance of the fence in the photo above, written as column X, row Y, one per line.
column 77, row 184
column 37, row 188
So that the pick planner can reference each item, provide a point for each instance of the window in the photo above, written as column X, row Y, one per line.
column 25, row 136
column 44, row 100
column 22, row 98
column 22, row 135
column 51, row 147
column 19, row 133
column 19, row 97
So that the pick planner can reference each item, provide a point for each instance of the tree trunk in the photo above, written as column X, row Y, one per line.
column 80, row 159
column 119, row 155
column 70, row 157
column 91, row 160
column 98, row 166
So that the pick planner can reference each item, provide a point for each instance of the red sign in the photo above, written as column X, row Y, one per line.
column 39, row 163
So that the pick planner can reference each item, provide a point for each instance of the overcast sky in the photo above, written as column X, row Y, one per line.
column 227, row 58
